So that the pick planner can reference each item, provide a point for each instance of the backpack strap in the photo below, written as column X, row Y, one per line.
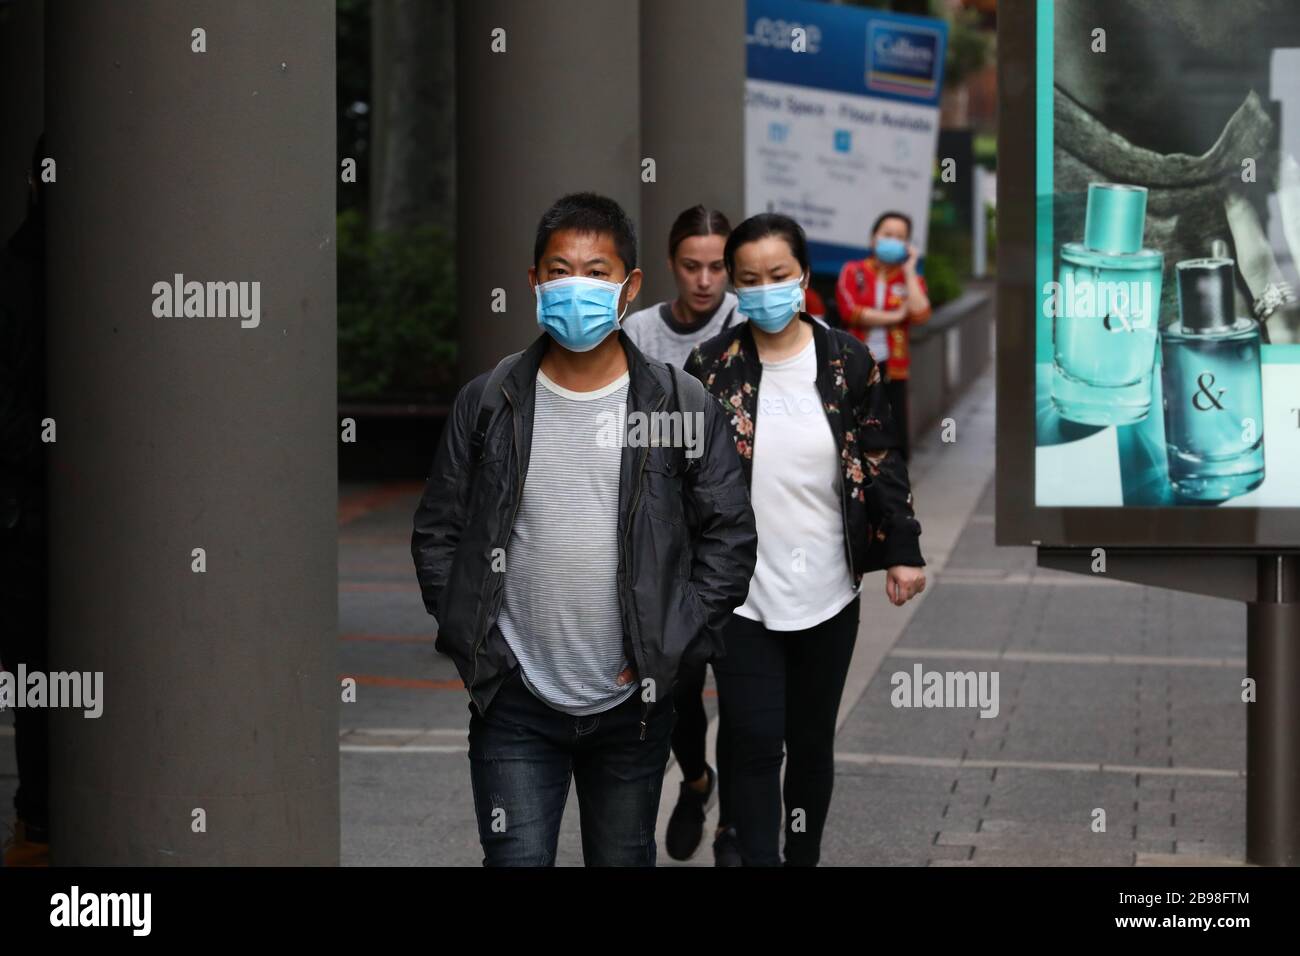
column 488, row 403
column 691, row 396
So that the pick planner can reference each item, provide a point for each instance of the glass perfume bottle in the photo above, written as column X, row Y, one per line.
column 1213, row 387
column 1105, row 320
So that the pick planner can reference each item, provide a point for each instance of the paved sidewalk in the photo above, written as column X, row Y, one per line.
column 1112, row 697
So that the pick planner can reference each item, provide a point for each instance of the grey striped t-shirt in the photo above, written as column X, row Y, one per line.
column 560, row 612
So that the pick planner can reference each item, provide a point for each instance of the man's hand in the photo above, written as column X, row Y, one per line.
column 902, row 583
column 626, row 676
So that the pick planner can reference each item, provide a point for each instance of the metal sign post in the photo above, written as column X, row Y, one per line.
column 1273, row 720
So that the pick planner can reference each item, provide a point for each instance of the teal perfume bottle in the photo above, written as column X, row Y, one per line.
column 1105, row 318
column 1213, row 387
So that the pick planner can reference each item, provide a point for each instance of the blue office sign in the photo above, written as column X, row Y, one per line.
column 841, row 119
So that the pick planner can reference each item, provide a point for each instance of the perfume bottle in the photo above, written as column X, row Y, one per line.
column 1104, row 327
column 1213, row 388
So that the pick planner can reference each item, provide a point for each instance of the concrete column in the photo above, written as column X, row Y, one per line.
column 692, row 120
column 220, row 689
column 22, row 109
column 557, row 111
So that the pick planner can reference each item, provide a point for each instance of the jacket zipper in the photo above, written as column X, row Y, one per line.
column 481, row 631
column 627, row 565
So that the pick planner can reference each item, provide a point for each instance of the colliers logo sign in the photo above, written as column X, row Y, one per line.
column 903, row 59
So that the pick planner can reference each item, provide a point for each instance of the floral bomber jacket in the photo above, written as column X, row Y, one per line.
column 880, row 527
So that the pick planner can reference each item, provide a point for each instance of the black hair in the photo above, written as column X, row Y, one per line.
column 696, row 221
column 760, row 227
column 588, row 212
column 892, row 215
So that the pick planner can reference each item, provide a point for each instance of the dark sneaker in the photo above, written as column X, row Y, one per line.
column 726, row 849
column 686, row 825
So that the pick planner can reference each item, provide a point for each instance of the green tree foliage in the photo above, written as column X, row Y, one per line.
column 396, row 313
column 352, row 55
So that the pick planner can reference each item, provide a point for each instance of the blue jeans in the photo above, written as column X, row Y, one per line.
column 524, row 754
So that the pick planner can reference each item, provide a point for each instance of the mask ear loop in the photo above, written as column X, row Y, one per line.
column 619, row 321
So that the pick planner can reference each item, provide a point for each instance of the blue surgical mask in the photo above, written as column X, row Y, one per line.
column 577, row 311
column 771, row 307
column 891, row 251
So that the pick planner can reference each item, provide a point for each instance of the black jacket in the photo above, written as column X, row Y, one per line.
column 687, row 539
column 880, row 529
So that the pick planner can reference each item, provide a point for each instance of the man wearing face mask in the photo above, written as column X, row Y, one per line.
column 878, row 298
column 551, row 544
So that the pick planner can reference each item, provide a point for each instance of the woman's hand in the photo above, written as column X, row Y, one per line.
column 909, row 264
column 902, row 583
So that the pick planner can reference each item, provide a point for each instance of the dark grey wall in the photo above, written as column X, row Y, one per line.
column 692, row 120
column 221, row 689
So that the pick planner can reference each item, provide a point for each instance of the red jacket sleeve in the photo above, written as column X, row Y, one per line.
column 845, row 289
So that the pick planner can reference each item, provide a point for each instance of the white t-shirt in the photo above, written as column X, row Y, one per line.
column 802, row 575
column 877, row 338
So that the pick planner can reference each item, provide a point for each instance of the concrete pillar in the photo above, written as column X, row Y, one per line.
column 220, row 689
column 557, row 111
column 692, row 120
column 22, row 108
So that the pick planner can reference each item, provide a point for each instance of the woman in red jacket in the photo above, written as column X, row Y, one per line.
column 878, row 298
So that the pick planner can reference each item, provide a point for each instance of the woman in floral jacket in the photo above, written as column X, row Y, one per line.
column 831, row 497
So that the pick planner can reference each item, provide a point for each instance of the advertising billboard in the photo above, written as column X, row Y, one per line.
column 1153, row 325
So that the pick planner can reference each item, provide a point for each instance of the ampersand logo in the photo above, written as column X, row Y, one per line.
column 1204, row 382
column 1121, row 319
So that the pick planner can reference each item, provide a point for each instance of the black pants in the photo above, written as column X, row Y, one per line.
column 691, row 730
column 783, row 687
column 23, row 641
column 896, row 391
